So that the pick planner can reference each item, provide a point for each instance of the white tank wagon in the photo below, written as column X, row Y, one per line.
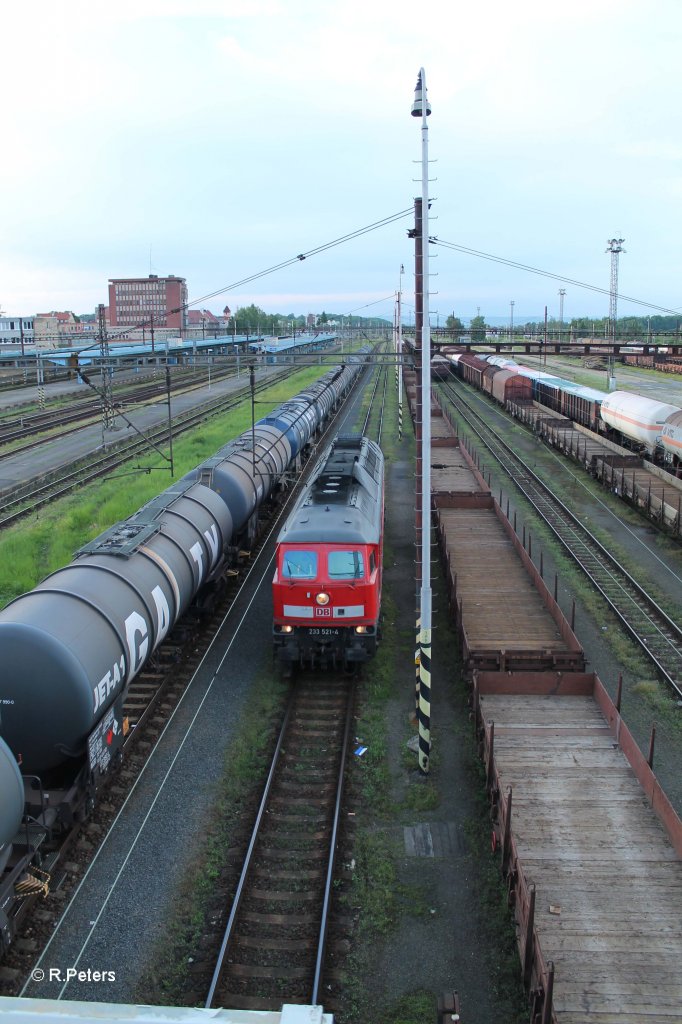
column 640, row 419
column 671, row 438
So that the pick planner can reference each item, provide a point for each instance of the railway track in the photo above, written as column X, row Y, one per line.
column 273, row 948
column 150, row 702
column 34, row 424
column 655, row 632
column 375, row 413
column 27, row 499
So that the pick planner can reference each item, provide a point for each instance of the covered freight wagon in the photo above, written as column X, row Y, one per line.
column 510, row 386
column 471, row 369
column 582, row 404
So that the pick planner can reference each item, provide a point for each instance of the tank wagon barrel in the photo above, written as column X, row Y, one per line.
column 11, row 805
column 73, row 644
column 638, row 418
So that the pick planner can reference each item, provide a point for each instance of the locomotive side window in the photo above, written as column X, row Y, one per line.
column 346, row 565
column 299, row 565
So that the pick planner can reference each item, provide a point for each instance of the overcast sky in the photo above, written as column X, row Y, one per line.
column 214, row 139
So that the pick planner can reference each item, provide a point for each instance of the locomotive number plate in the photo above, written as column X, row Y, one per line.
column 322, row 632
column 323, row 613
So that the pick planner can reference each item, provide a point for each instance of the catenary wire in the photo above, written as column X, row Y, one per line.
column 264, row 273
column 547, row 273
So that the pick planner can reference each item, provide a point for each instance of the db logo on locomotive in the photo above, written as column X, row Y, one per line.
column 323, row 613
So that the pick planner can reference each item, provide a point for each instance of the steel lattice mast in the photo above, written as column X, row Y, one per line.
column 562, row 293
column 106, row 372
column 615, row 247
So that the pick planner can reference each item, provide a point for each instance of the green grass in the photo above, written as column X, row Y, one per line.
column 414, row 1008
column 47, row 540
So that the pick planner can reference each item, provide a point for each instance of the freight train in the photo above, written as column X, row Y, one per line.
column 72, row 646
column 655, row 428
column 326, row 589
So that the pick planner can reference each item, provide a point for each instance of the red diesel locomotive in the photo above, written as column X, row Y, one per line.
column 327, row 585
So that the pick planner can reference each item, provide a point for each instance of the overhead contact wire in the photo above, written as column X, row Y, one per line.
column 264, row 273
column 548, row 273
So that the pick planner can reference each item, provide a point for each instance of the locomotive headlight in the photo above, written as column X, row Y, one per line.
column 361, row 629
column 287, row 629
column 322, row 599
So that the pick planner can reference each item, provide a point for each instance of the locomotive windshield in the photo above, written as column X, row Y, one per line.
column 346, row 565
column 299, row 565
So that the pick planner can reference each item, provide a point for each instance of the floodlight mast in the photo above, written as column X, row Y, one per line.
column 421, row 108
column 615, row 247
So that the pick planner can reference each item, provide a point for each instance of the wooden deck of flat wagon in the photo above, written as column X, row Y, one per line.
column 651, row 489
column 590, row 845
column 506, row 617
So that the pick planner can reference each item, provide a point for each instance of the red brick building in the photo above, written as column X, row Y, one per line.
column 138, row 300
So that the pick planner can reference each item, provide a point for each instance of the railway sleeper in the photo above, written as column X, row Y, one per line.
column 255, row 971
column 304, row 874
column 259, row 942
column 285, row 896
column 296, row 921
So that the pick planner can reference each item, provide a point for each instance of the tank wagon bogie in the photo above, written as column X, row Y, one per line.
column 72, row 646
column 13, row 854
column 327, row 582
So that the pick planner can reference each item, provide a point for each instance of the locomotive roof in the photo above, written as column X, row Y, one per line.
column 343, row 504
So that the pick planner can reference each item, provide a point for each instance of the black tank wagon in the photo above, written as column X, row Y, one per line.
column 72, row 645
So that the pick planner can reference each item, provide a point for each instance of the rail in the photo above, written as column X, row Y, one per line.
column 655, row 632
column 24, row 501
column 296, row 826
column 373, row 412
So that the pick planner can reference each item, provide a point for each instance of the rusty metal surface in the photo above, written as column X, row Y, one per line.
column 503, row 619
column 651, row 490
column 593, row 868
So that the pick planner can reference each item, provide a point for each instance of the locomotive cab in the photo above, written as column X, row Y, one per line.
column 326, row 603
column 327, row 583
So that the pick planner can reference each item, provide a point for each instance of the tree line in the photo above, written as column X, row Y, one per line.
column 253, row 320
column 627, row 327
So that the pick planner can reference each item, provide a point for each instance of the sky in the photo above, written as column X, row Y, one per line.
column 216, row 139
